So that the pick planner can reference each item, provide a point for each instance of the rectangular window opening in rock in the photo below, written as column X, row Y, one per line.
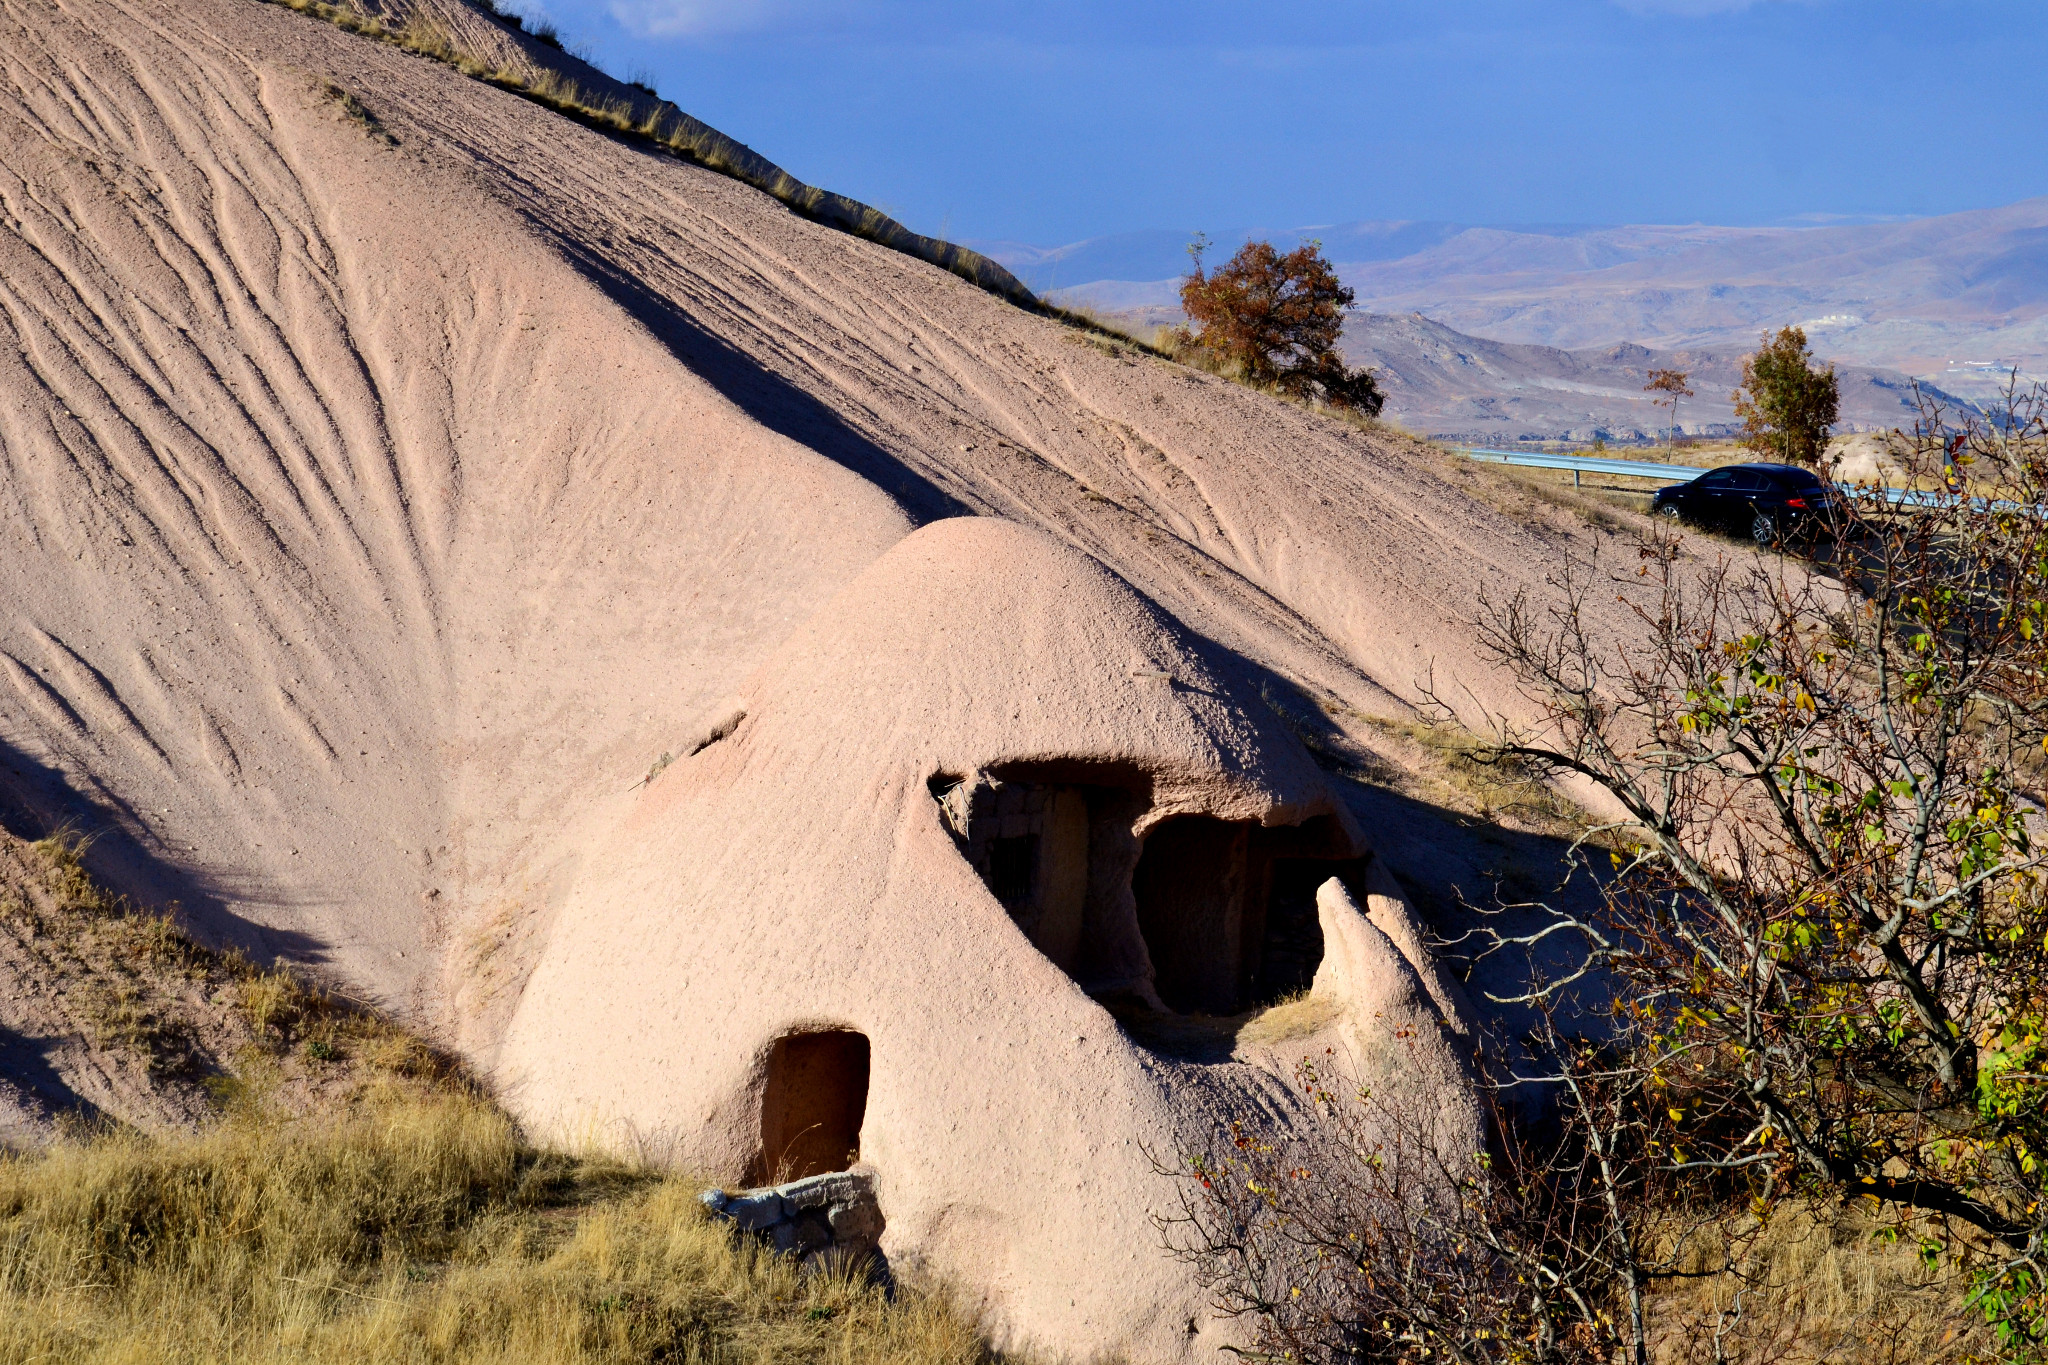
column 1228, row 909
column 814, row 1100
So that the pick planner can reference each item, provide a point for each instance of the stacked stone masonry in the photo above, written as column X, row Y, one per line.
column 826, row 1221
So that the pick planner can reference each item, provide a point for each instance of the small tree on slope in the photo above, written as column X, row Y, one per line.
column 1274, row 320
column 1672, row 384
column 1786, row 404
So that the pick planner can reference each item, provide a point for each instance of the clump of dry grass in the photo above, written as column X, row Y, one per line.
column 150, row 996
column 1300, row 1015
column 115, row 968
column 1826, row 1285
column 1467, row 773
column 408, row 1227
column 1534, row 497
column 1215, row 1037
column 1110, row 334
column 665, row 127
column 355, row 112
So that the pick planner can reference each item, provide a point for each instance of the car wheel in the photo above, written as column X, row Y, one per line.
column 1669, row 510
column 1764, row 530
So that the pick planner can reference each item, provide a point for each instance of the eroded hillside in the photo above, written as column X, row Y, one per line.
column 553, row 590
column 381, row 500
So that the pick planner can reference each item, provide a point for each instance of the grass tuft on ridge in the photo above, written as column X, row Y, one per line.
column 668, row 128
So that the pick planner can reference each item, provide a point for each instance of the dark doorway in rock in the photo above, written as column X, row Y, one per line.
column 1228, row 909
column 1214, row 916
column 812, row 1106
column 1291, row 946
column 1048, row 847
column 1190, row 891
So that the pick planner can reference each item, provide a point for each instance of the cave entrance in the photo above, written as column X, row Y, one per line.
column 1215, row 916
column 1052, row 843
column 812, row 1106
column 1228, row 908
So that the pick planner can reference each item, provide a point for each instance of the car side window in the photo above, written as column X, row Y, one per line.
column 1747, row 481
column 1714, row 481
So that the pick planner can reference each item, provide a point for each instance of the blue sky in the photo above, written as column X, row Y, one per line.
column 1047, row 121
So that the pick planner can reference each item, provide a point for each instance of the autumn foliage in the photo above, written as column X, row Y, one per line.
column 1273, row 320
column 1806, row 976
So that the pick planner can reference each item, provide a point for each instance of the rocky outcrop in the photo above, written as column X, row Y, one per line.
column 826, row 1220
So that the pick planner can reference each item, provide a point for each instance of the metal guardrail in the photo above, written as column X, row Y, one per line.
column 1585, row 464
column 1679, row 473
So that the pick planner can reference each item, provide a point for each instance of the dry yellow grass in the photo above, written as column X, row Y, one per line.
column 1300, row 1015
column 660, row 125
column 406, row 1227
column 1460, row 773
column 356, row 1200
column 171, row 1018
column 1536, row 497
column 1112, row 333
column 1829, row 1290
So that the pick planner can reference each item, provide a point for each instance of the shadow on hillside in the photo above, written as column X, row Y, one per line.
column 37, row 800
column 40, row 1091
column 767, row 397
column 1462, row 873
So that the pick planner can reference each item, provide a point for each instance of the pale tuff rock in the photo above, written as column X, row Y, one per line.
column 380, row 515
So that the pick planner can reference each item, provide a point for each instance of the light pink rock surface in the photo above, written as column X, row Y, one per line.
column 376, row 515
column 797, row 876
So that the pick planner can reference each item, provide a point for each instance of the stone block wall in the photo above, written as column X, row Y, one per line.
column 826, row 1220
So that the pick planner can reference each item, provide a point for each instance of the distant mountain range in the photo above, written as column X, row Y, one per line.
column 1440, row 382
column 1162, row 254
column 1955, row 299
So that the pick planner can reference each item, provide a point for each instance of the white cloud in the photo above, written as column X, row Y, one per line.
column 696, row 18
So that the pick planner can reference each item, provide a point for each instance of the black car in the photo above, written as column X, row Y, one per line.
column 1766, row 502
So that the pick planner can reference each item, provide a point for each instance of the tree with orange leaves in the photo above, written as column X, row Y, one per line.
column 1273, row 320
column 1670, row 383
